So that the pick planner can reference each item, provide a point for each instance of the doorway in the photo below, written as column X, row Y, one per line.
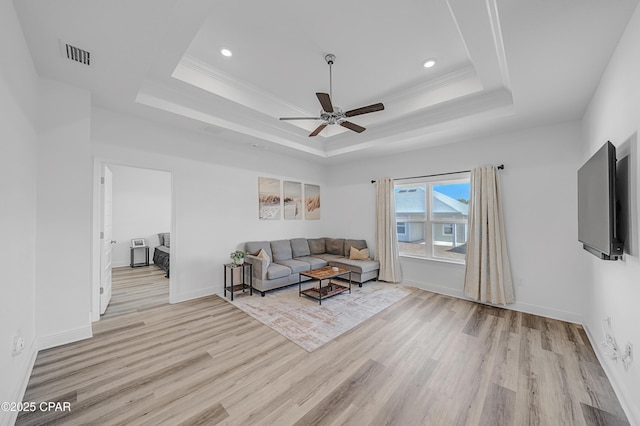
column 134, row 214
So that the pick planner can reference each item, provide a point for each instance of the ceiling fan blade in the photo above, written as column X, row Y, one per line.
column 325, row 101
column 364, row 110
column 352, row 126
column 317, row 130
column 300, row 118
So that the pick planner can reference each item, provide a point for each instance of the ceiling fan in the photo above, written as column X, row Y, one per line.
column 331, row 114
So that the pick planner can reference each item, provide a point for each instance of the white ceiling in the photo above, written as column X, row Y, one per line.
column 502, row 65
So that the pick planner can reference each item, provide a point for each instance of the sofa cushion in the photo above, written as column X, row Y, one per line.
column 300, row 247
column 359, row 244
column 281, row 250
column 328, row 257
column 360, row 266
column 314, row 262
column 335, row 246
column 295, row 265
column 254, row 247
column 362, row 254
column 317, row 246
column 277, row 271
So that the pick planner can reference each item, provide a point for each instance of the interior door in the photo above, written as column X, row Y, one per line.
column 106, row 238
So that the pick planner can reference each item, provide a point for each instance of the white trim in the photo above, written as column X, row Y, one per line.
column 632, row 410
column 433, row 259
column 69, row 336
column 95, row 284
column 18, row 394
column 517, row 306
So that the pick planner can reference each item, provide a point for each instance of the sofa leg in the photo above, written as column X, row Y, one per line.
column 262, row 293
column 359, row 284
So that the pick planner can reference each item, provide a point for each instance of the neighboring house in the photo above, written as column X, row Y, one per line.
column 448, row 208
column 410, row 214
column 410, row 217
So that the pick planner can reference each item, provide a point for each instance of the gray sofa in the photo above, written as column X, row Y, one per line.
column 290, row 257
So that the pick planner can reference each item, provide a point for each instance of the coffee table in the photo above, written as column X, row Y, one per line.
column 330, row 289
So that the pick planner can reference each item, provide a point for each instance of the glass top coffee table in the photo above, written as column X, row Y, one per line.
column 329, row 289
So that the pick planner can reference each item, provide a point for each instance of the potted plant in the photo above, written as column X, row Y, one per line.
column 237, row 257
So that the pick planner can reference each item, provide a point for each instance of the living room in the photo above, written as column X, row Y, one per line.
column 55, row 138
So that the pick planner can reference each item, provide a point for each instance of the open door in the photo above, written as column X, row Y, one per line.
column 105, row 238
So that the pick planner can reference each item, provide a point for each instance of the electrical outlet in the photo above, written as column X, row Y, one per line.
column 18, row 345
column 520, row 282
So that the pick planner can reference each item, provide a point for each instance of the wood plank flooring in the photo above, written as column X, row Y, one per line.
column 427, row 360
column 137, row 289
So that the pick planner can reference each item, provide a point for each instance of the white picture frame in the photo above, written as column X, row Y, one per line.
column 138, row 242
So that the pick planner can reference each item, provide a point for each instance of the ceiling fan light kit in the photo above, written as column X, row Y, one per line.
column 331, row 114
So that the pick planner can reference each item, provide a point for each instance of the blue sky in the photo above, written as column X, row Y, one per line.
column 455, row 191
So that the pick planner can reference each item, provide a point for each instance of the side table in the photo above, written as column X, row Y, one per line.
column 146, row 256
column 243, row 284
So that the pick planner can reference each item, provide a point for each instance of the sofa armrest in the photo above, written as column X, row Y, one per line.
column 259, row 266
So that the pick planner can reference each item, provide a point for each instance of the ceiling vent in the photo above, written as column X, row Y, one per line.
column 78, row 55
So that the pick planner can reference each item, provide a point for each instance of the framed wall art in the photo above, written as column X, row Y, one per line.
column 269, row 205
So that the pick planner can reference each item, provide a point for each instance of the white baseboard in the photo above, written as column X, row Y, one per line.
column 195, row 294
column 517, row 306
column 632, row 410
column 70, row 336
column 9, row 418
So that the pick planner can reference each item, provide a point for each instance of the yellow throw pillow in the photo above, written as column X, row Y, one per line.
column 356, row 254
column 263, row 255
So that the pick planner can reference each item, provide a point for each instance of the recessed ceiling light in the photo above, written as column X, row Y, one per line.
column 428, row 63
column 226, row 52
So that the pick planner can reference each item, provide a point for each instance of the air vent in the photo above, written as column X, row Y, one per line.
column 78, row 55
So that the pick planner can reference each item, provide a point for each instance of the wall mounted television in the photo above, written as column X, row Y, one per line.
column 597, row 205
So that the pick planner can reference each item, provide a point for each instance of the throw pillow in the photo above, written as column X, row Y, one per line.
column 263, row 255
column 359, row 254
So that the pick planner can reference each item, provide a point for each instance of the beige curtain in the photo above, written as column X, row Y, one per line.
column 386, row 232
column 488, row 274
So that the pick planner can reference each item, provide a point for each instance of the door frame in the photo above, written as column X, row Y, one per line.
column 96, row 247
column 106, row 247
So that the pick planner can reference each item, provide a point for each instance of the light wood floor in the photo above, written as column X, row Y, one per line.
column 427, row 360
column 137, row 289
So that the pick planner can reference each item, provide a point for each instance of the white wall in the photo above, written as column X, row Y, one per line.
column 215, row 207
column 614, row 287
column 539, row 188
column 63, row 242
column 141, row 209
column 18, row 137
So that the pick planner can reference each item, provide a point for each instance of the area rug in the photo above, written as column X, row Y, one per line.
column 309, row 325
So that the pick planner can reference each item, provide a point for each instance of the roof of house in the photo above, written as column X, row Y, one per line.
column 413, row 200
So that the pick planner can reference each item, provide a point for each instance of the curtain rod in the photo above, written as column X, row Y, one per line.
column 500, row 167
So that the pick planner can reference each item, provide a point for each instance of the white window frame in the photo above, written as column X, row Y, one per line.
column 429, row 221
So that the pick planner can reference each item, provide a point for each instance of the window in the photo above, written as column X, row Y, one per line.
column 431, row 218
column 401, row 227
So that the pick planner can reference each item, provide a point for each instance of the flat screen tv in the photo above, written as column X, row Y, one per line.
column 597, row 207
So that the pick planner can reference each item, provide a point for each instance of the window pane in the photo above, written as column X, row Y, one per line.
column 450, row 201
column 411, row 202
column 450, row 240
column 417, row 246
